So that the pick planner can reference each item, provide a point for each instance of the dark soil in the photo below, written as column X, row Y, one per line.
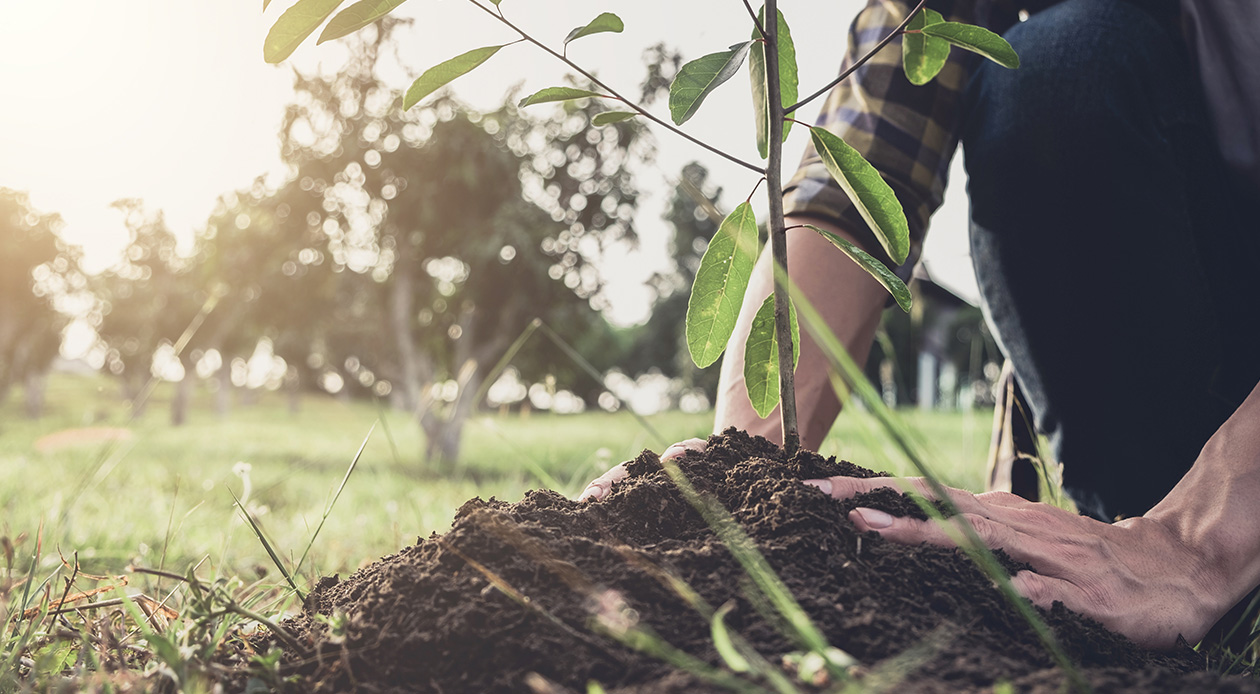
column 427, row 619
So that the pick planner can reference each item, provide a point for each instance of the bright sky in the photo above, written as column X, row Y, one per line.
column 172, row 102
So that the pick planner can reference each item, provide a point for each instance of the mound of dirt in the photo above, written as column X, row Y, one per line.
column 511, row 592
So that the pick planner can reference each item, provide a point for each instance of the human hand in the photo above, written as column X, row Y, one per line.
column 602, row 485
column 1137, row 576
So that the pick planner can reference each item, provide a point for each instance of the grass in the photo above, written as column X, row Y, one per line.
column 164, row 500
column 286, row 466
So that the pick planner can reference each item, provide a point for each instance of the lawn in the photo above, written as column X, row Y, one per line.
column 163, row 497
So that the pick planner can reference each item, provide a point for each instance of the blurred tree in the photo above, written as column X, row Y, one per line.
column 146, row 302
column 37, row 269
column 661, row 344
column 266, row 262
column 449, row 243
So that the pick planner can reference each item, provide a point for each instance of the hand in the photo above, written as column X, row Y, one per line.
column 1137, row 576
column 602, row 485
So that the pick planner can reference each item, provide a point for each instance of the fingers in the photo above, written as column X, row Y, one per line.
column 914, row 531
column 602, row 485
column 1048, row 556
column 676, row 450
column 847, row 487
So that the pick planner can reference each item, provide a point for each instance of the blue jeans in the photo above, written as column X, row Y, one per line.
column 1116, row 255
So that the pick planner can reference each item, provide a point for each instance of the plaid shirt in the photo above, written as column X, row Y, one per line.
column 908, row 133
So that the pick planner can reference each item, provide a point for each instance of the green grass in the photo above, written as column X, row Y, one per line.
column 164, row 499
column 180, row 475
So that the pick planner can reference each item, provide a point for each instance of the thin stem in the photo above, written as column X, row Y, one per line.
column 778, row 237
column 861, row 61
column 643, row 112
column 754, row 190
column 756, row 22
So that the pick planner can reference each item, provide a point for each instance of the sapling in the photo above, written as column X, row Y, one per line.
column 772, row 347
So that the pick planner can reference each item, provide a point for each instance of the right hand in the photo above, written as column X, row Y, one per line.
column 602, row 485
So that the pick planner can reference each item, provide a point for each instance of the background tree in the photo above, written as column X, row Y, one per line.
column 146, row 300
column 37, row 269
column 265, row 260
column 453, row 231
column 693, row 215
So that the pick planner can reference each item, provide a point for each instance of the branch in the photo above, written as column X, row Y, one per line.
column 861, row 61
column 615, row 95
column 756, row 22
column 778, row 236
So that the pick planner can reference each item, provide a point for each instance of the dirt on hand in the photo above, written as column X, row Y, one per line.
column 506, row 601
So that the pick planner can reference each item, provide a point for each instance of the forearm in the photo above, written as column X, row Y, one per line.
column 1215, row 509
column 850, row 301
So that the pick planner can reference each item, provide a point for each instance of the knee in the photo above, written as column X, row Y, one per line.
column 1083, row 64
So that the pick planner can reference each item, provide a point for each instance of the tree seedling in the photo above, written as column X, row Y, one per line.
column 726, row 268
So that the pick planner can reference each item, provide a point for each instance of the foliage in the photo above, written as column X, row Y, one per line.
column 37, row 270
column 451, row 231
column 145, row 300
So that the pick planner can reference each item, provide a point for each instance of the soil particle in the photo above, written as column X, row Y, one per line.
column 514, row 589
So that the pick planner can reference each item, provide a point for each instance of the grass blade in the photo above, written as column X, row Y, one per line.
column 801, row 628
column 963, row 534
column 275, row 559
column 336, row 495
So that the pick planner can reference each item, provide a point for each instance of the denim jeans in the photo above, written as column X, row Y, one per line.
column 1116, row 255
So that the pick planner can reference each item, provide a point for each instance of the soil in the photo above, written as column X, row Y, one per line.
column 428, row 619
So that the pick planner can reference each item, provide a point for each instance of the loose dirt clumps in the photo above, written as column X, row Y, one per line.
column 509, row 594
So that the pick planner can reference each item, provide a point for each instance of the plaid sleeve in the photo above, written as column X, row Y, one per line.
column 908, row 133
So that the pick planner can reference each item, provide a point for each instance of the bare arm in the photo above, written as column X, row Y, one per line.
column 849, row 299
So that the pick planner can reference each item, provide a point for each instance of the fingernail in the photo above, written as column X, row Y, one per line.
column 824, row 485
column 874, row 519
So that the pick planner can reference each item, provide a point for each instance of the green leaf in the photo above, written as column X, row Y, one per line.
column 265, row 3
column 977, row 40
column 722, row 641
column 357, row 16
column 718, row 290
column 439, row 75
column 292, row 28
column 606, row 22
column 761, row 357
column 698, row 78
column 609, row 117
column 593, row 687
column 496, row 2
column 556, row 94
column 867, row 262
column 870, row 195
column 923, row 56
column 788, row 80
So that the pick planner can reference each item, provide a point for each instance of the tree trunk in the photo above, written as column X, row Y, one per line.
column 401, row 310
column 293, row 388
column 223, row 394
column 133, row 388
column 35, row 387
column 444, row 434
column 183, row 395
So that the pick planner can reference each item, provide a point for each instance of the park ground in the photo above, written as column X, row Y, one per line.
column 161, row 496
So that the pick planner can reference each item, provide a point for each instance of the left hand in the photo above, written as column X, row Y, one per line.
column 1136, row 576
